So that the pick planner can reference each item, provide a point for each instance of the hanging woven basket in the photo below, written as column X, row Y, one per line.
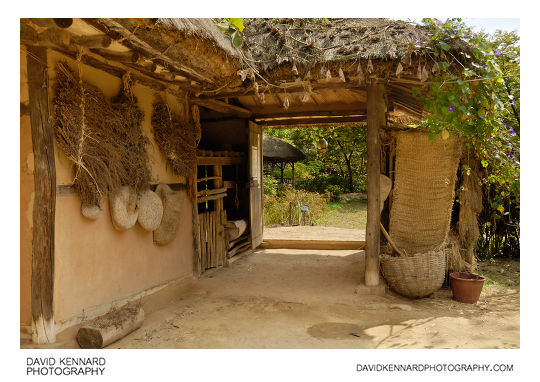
column 150, row 210
column 123, row 206
column 415, row 276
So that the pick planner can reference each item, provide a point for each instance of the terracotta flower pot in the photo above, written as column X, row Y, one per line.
column 466, row 287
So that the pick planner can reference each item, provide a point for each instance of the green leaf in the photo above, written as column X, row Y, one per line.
column 224, row 26
column 443, row 65
column 237, row 39
column 484, row 163
column 444, row 46
column 237, row 23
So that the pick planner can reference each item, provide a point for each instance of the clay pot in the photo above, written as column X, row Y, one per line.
column 466, row 287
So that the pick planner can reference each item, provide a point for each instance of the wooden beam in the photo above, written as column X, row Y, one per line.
column 211, row 197
column 222, row 107
column 214, row 190
column 43, row 330
column 371, row 270
column 291, row 88
column 99, row 41
column 312, row 113
column 126, row 57
column 310, row 121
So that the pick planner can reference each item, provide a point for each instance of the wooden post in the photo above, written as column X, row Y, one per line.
column 43, row 330
column 373, row 172
column 197, row 262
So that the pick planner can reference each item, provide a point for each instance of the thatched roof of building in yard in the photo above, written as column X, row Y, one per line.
column 277, row 150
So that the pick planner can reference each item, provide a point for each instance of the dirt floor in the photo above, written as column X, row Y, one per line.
column 313, row 233
column 305, row 299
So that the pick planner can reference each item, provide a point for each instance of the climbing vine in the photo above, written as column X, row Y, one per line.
column 472, row 96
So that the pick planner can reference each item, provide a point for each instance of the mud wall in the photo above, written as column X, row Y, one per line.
column 96, row 265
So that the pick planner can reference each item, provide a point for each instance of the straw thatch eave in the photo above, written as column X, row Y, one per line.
column 191, row 48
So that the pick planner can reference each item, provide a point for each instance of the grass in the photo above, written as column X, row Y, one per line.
column 500, row 273
column 345, row 213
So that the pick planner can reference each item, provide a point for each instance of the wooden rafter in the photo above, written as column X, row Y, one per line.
column 223, row 107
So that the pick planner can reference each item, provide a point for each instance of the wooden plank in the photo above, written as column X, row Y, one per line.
column 208, row 178
column 211, row 161
column 371, row 269
column 211, row 197
column 240, row 248
column 311, row 244
column 222, row 107
column 212, row 191
column 212, row 238
column 43, row 328
column 238, row 240
column 203, row 240
column 225, row 241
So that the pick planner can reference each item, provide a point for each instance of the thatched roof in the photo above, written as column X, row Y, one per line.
column 277, row 150
column 272, row 42
column 315, row 72
column 201, row 28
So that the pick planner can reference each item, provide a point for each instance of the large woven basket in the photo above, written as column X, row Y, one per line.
column 415, row 276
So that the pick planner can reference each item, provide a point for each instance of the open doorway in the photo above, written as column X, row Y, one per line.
column 315, row 183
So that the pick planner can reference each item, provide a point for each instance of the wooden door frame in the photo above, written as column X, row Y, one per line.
column 260, row 176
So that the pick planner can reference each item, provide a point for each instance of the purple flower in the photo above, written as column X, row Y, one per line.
column 512, row 130
column 416, row 40
column 438, row 22
column 497, row 52
column 504, row 125
column 484, row 64
column 456, row 31
column 465, row 35
column 509, row 155
column 451, row 108
column 512, row 103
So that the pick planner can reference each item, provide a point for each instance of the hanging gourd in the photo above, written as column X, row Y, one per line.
column 322, row 145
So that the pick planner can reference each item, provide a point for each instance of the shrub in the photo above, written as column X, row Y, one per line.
column 285, row 209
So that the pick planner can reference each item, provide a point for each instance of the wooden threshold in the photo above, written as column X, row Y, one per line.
column 311, row 244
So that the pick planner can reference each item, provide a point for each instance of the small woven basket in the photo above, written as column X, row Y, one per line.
column 415, row 276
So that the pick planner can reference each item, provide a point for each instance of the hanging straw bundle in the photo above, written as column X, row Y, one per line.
column 104, row 141
column 176, row 139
